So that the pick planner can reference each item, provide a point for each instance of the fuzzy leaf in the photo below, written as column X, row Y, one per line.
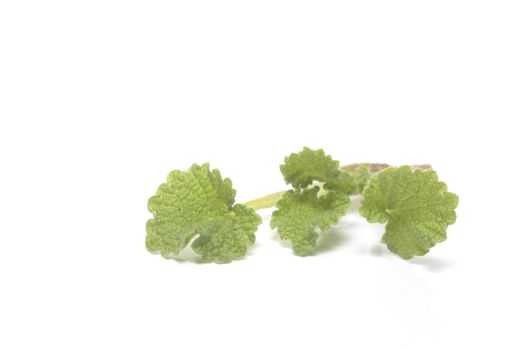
column 198, row 202
column 301, row 169
column 300, row 213
column 415, row 205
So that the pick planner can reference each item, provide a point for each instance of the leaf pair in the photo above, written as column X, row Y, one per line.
column 198, row 205
column 319, row 199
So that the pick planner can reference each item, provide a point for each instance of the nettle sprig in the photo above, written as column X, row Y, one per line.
column 197, row 206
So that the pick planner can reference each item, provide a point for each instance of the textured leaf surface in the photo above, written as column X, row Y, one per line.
column 415, row 205
column 361, row 176
column 301, row 169
column 300, row 214
column 199, row 202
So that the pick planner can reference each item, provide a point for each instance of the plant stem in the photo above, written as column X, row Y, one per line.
column 364, row 170
column 265, row 202
column 376, row 167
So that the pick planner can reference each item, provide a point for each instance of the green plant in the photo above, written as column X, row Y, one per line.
column 198, row 206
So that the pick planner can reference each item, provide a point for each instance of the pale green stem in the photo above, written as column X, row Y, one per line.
column 265, row 202
column 271, row 200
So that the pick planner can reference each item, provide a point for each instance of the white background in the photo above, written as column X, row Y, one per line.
column 99, row 100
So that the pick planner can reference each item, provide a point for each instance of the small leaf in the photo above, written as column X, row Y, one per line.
column 198, row 202
column 301, row 169
column 415, row 205
column 300, row 214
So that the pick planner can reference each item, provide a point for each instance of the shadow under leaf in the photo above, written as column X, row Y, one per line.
column 432, row 263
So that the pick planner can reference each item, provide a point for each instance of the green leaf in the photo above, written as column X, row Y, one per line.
column 226, row 238
column 301, row 213
column 301, row 169
column 361, row 175
column 198, row 202
column 415, row 205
